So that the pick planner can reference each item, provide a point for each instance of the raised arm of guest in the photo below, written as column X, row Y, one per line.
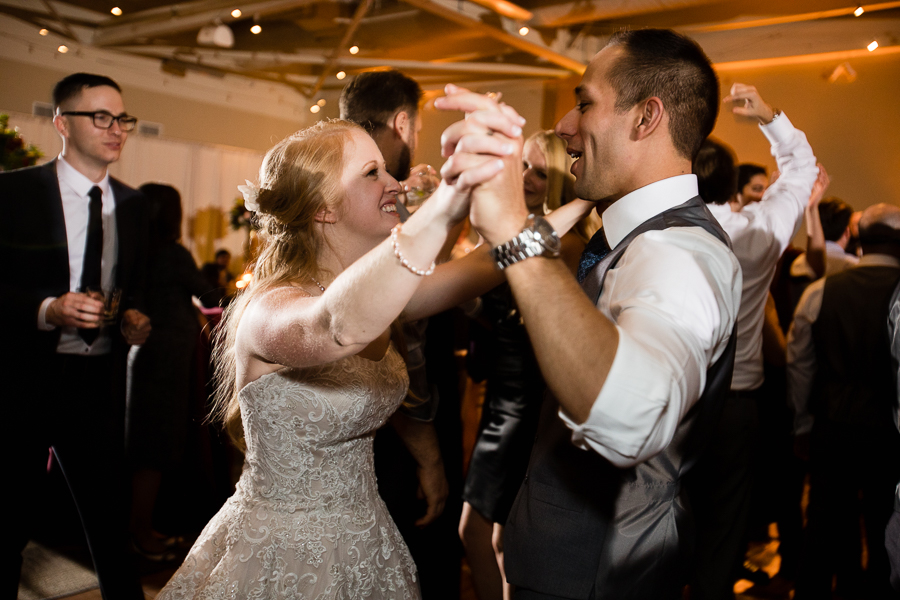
column 815, row 234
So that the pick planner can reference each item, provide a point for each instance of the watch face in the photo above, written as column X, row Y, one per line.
column 548, row 235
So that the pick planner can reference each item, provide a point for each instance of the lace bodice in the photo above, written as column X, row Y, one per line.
column 306, row 520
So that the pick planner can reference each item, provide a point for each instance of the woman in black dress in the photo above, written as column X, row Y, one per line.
column 515, row 388
column 159, row 371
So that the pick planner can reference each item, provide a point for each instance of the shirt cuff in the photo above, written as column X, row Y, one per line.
column 42, row 323
column 777, row 131
column 623, row 411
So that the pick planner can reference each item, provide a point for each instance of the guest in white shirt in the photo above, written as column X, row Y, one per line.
column 759, row 234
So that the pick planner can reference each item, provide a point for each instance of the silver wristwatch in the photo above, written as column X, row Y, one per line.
column 537, row 239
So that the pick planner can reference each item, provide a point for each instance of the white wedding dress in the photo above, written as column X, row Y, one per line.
column 306, row 521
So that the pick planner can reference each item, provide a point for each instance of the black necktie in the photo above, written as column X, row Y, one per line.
column 93, row 255
column 594, row 252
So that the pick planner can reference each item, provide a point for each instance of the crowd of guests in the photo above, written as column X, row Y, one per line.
column 657, row 390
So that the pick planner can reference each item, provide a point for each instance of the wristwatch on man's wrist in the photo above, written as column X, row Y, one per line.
column 538, row 238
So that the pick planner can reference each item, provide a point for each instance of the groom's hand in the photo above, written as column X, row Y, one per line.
column 498, row 209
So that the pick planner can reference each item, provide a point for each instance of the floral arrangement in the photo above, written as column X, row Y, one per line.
column 14, row 154
column 241, row 216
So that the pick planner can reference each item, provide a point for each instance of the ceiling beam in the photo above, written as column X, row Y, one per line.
column 576, row 12
column 469, row 15
column 798, row 18
column 65, row 24
column 342, row 47
column 262, row 61
column 184, row 17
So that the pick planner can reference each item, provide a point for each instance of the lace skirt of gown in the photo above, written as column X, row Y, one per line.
column 306, row 521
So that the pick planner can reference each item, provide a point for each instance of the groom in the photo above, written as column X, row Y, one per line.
column 69, row 226
column 640, row 355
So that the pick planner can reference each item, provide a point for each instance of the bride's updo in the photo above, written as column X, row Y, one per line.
column 299, row 177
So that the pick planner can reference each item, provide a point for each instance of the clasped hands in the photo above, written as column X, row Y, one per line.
column 484, row 163
column 83, row 311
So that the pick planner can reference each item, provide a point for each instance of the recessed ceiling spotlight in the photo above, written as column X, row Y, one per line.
column 62, row 49
column 321, row 102
column 315, row 108
column 859, row 10
column 872, row 46
column 354, row 49
column 236, row 13
column 255, row 29
column 340, row 74
column 523, row 30
column 43, row 32
column 116, row 11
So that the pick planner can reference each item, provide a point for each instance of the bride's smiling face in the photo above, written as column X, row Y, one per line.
column 370, row 193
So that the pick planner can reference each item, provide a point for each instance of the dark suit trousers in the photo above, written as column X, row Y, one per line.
column 853, row 472
column 720, row 488
column 68, row 402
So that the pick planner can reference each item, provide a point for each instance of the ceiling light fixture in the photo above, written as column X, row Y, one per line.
column 321, row 102
column 116, row 11
column 63, row 49
column 216, row 34
column 236, row 13
column 859, row 10
column 340, row 74
column 354, row 49
column 872, row 46
column 315, row 108
column 523, row 30
column 43, row 32
column 255, row 29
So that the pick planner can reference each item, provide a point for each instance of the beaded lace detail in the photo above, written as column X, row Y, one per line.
column 306, row 521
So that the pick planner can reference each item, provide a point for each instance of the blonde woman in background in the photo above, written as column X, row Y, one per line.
column 515, row 387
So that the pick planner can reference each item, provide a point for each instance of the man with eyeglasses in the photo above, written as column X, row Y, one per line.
column 70, row 236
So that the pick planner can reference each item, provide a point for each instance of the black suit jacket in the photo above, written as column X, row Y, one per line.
column 34, row 251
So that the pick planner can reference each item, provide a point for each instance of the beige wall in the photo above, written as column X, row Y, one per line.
column 527, row 97
column 854, row 128
column 185, row 119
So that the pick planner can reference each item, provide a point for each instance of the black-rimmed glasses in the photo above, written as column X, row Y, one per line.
column 105, row 120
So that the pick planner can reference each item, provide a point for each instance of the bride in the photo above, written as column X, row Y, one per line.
column 308, row 370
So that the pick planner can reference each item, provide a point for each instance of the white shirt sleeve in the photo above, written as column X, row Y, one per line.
column 782, row 204
column 894, row 333
column 780, row 211
column 42, row 323
column 674, row 297
column 801, row 355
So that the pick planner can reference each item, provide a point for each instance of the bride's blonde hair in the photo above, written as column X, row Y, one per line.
column 299, row 178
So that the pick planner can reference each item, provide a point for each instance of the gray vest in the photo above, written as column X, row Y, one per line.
column 582, row 528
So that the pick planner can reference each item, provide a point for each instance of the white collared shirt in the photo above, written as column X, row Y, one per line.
column 73, row 189
column 759, row 235
column 674, row 297
column 836, row 260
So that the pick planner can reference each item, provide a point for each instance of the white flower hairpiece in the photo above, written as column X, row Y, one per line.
column 251, row 195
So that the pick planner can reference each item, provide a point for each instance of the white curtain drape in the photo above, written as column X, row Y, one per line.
column 207, row 175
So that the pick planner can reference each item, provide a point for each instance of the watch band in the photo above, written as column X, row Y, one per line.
column 537, row 238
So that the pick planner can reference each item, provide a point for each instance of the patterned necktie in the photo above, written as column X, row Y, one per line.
column 93, row 255
column 594, row 252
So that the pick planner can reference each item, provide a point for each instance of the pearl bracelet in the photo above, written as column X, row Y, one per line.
column 395, row 232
